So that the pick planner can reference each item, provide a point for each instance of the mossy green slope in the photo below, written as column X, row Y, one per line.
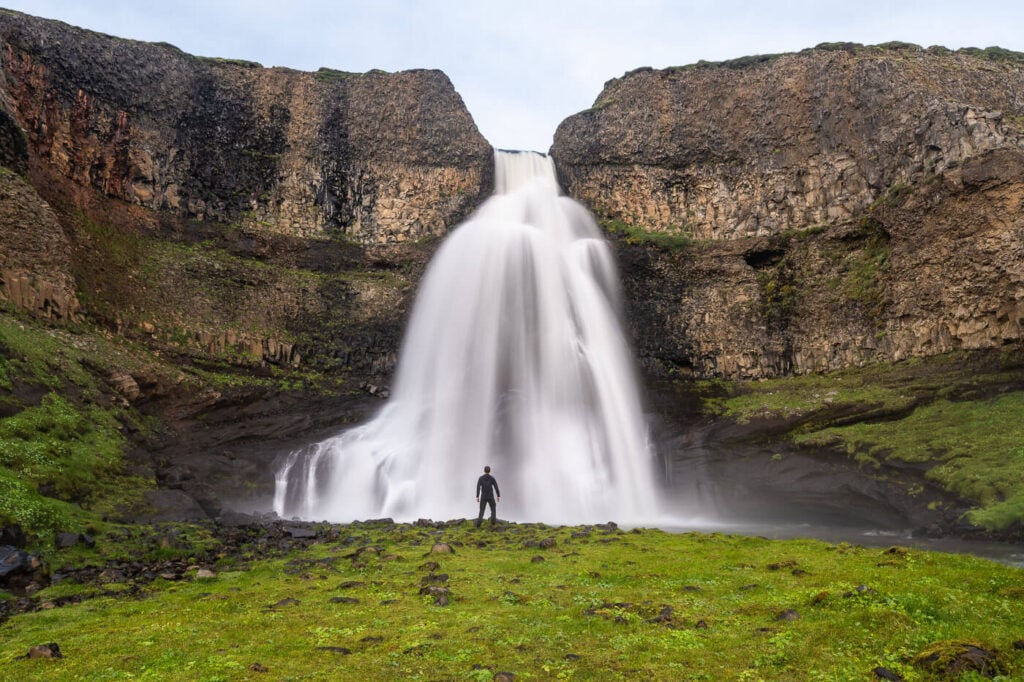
column 959, row 416
column 597, row 604
column 62, row 436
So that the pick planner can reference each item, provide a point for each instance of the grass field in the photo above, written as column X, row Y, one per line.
column 543, row 603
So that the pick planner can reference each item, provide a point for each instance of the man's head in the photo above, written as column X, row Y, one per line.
column 487, row 470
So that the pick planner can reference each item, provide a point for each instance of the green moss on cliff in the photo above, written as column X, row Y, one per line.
column 974, row 449
column 331, row 75
column 995, row 54
column 950, row 415
column 678, row 238
column 862, row 273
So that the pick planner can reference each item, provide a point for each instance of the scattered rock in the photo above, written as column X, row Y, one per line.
column 537, row 559
column 111, row 575
column 572, row 657
column 205, row 574
column 955, row 657
column 13, row 536
column 430, row 566
column 1019, row 644
column 440, row 594
column 504, row 677
column 701, row 624
column 886, row 674
column 788, row 614
column 349, row 584
column 67, row 540
column 789, row 563
column 547, row 543
column 298, row 532
column 51, row 650
column 287, row 601
column 343, row 600
column 13, row 560
column 434, row 578
column 257, row 668
column 691, row 588
column 442, row 548
column 336, row 650
column 664, row 617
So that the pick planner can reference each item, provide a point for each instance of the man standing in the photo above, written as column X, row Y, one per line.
column 486, row 487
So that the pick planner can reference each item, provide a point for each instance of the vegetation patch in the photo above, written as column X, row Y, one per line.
column 994, row 54
column 976, row 448
column 672, row 239
column 62, row 437
column 957, row 416
column 364, row 602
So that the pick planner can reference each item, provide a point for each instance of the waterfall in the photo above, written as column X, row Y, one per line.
column 514, row 358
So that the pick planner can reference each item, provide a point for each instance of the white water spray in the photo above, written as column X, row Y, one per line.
column 513, row 357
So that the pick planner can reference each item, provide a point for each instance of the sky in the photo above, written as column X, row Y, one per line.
column 523, row 66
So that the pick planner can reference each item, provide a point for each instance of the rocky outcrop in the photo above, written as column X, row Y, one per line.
column 35, row 267
column 376, row 157
column 221, row 209
column 829, row 208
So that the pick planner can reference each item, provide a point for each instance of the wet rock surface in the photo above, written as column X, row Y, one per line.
column 828, row 162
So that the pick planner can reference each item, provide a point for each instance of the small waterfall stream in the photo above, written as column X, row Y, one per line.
column 514, row 357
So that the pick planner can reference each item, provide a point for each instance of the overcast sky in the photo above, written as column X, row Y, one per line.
column 522, row 66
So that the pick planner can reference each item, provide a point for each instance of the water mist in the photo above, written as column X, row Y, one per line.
column 513, row 357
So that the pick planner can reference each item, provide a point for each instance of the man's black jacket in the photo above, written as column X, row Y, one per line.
column 488, row 485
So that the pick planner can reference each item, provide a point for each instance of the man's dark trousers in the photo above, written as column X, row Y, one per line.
column 483, row 503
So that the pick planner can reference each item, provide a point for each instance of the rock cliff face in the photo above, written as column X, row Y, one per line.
column 377, row 157
column 222, row 208
column 831, row 207
column 35, row 256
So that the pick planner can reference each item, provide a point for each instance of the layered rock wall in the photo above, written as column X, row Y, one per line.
column 218, row 208
column 376, row 157
column 830, row 208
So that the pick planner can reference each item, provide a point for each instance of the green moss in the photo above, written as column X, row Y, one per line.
column 245, row 63
column 936, row 414
column 994, row 54
column 601, row 605
column 332, row 75
column 975, row 447
column 839, row 47
column 797, row 396
column 779, row 293
column 862, row 272
column 22, row 504
column 671, row 239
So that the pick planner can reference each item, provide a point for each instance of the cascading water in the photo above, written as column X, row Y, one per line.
column 513, row 357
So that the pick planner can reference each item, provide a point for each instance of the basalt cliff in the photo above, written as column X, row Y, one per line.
column 218, row 208
column 808, row 212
